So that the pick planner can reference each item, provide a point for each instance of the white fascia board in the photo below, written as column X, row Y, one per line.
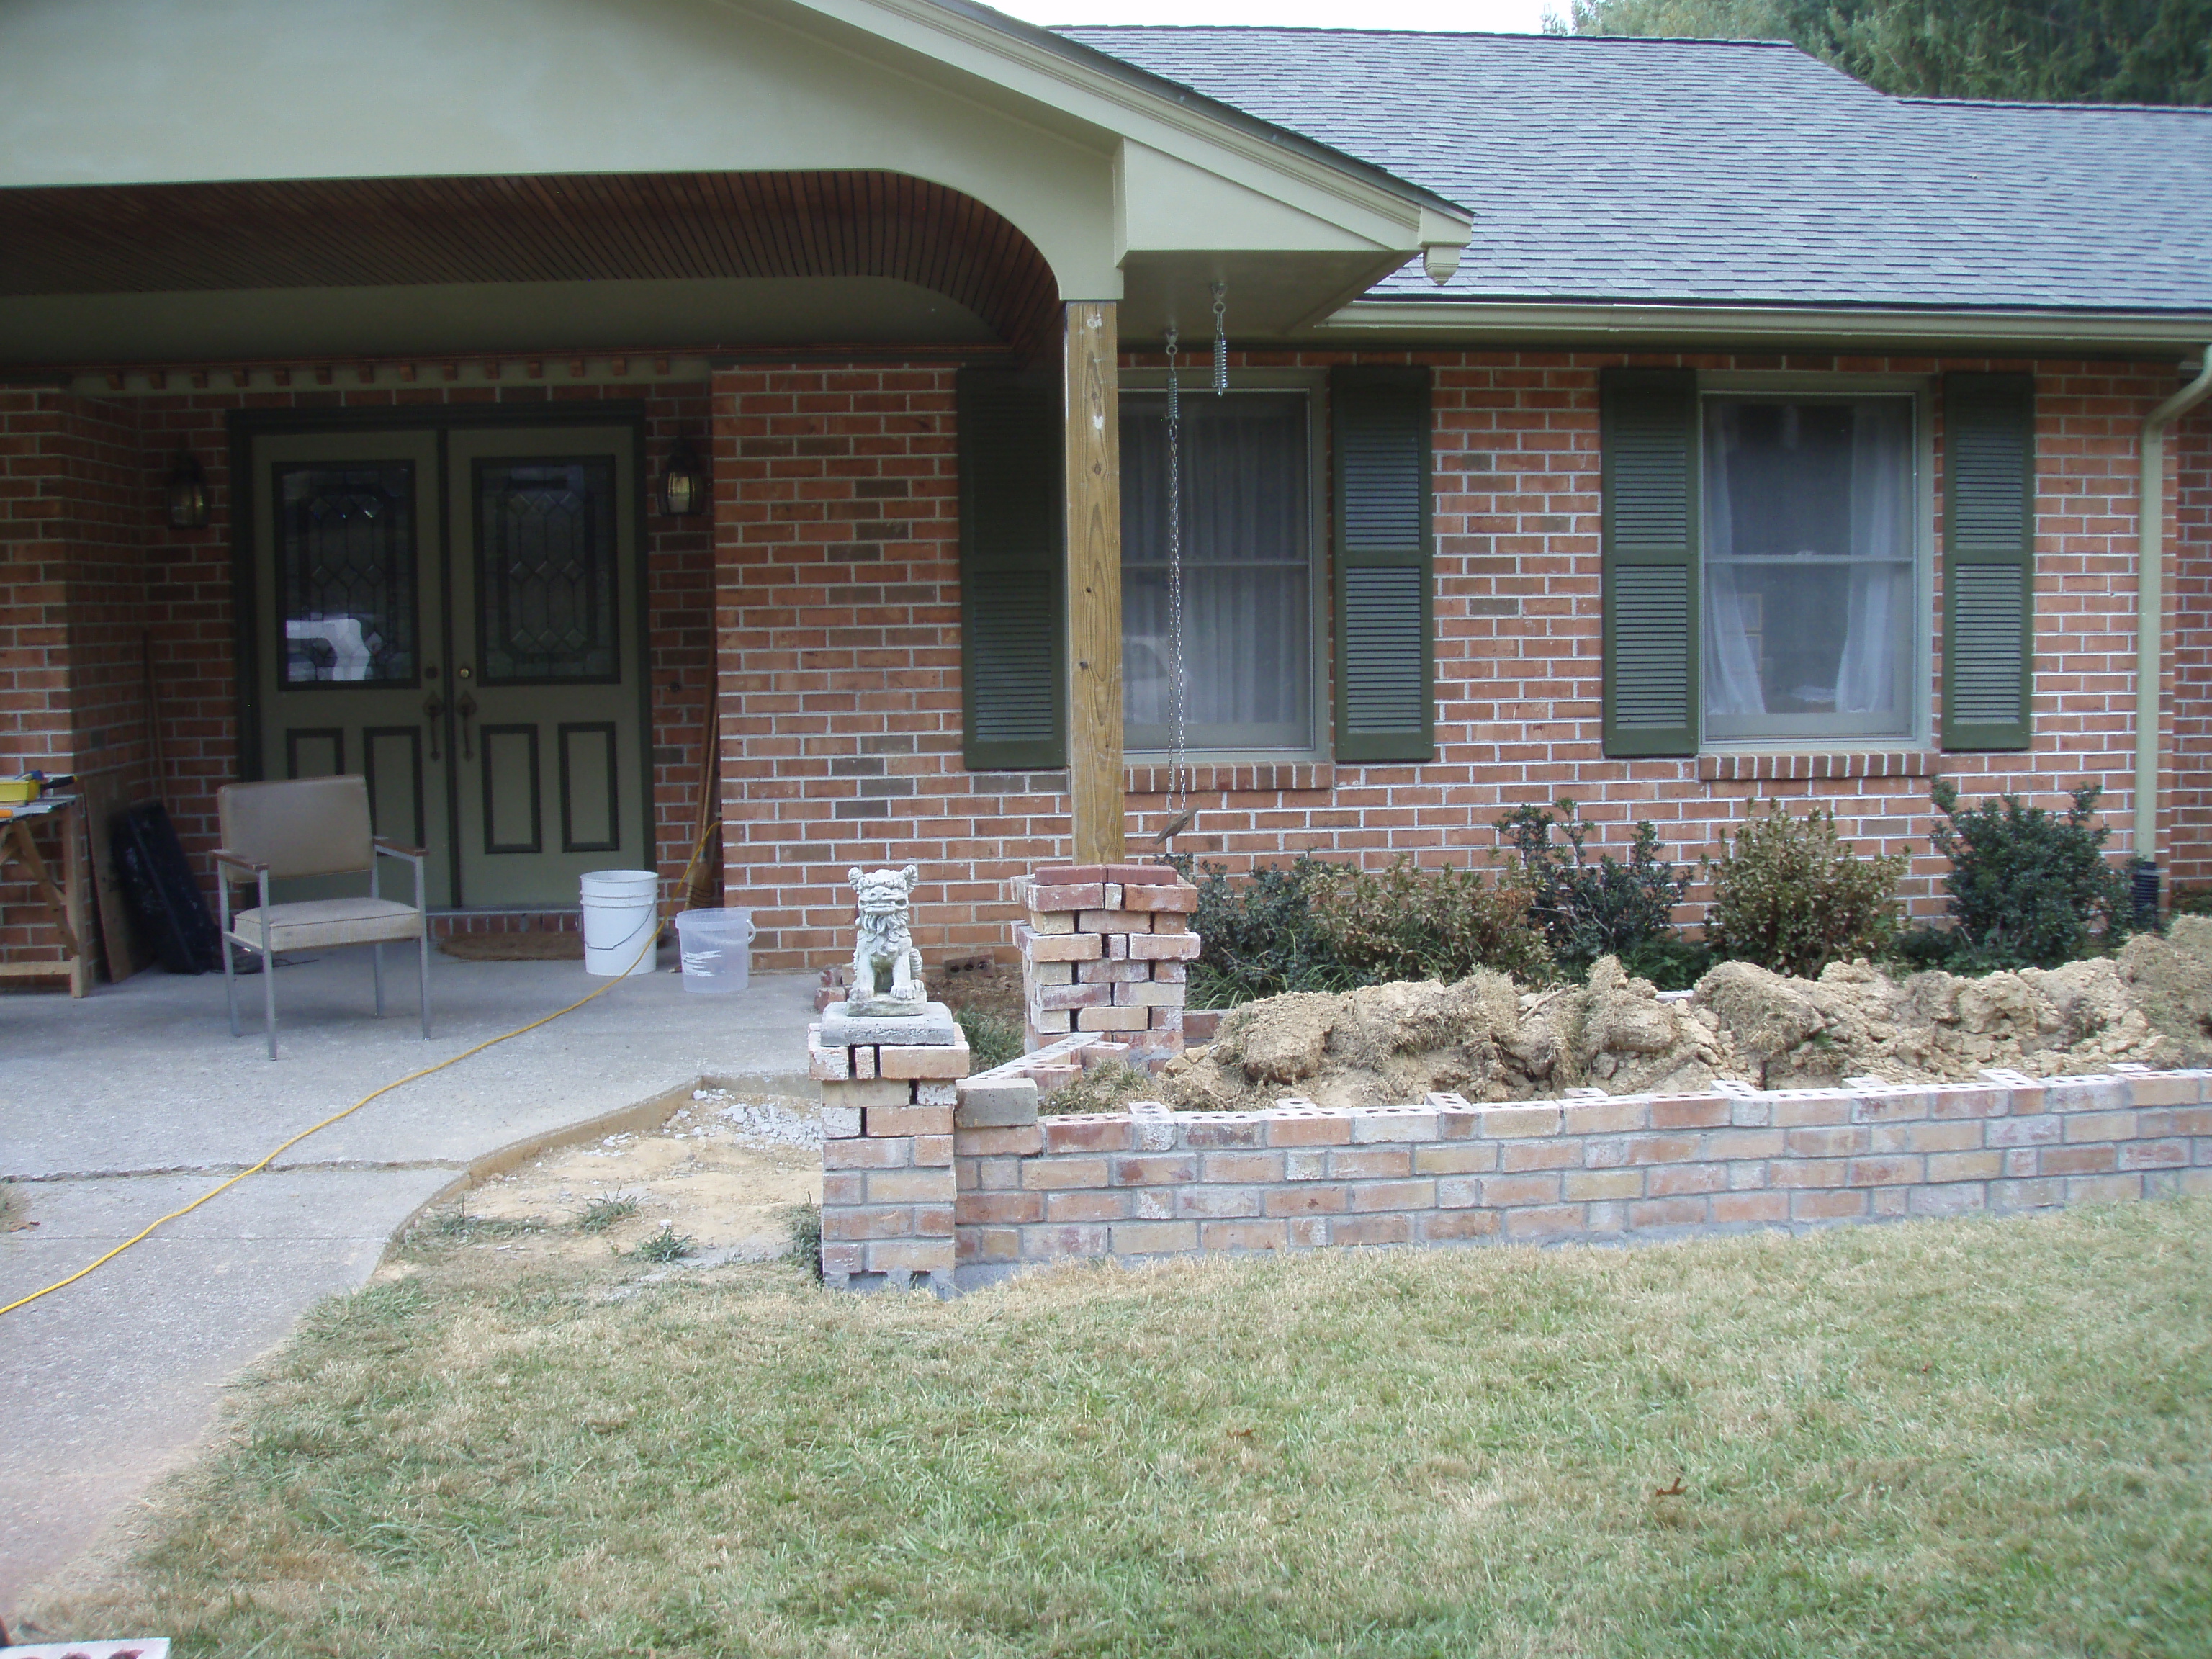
column 1452, row 321
column 1349, row 197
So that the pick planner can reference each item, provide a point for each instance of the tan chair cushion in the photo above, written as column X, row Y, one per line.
column 314, row 924
column 300, row 827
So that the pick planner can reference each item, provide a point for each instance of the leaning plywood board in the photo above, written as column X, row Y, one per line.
column 107, row 792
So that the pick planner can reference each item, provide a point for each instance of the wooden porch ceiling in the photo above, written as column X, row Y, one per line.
column 354, row 233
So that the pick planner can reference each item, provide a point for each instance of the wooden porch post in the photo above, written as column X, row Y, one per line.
column 1094, row 585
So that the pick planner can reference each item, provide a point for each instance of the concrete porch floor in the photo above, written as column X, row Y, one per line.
column 118, row 1108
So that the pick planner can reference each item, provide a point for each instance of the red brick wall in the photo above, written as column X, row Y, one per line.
column 2189, row 452
column 72, row 596
column 831, row 561
column 838, row 618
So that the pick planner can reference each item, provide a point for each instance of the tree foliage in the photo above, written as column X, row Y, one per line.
column 2070, row 52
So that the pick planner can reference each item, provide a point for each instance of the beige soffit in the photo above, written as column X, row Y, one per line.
column 100, row 91
column 1457, row 321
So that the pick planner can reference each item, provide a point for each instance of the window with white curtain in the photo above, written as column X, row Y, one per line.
column 1810, row 567
column 1248, row 655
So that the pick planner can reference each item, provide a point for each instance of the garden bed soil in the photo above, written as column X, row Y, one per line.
column 723, row 1172
column 1488, row 1038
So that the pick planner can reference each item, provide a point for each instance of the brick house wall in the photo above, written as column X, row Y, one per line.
column 837, row 609
column 821, row 598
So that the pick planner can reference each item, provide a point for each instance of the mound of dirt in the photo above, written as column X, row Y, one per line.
column 1484, row 1037
column 1488, row 1038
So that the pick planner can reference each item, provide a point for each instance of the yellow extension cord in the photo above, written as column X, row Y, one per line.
column 651, row 940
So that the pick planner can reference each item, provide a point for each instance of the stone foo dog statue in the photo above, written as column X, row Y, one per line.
column 886, row 941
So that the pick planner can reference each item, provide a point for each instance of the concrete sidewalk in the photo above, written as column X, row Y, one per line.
column 120, row 1108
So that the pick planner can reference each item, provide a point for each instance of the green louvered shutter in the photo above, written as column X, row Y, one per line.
column 1385, row 608
column 1648, row 430
column 1013, row 594
column 1989, row 560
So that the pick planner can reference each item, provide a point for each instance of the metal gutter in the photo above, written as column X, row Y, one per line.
column 1457, row 321
column 2150, row 609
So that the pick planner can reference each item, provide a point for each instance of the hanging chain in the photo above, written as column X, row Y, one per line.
column 1178, row 779
column 1220, row 339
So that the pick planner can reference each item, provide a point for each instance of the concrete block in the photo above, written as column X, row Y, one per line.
column 1003, row 1102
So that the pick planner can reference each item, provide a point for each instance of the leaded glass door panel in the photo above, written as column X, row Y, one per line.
column 547, row 684
column 350, row 628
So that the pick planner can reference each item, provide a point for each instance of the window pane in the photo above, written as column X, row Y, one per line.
column 1247, row 574
column 545, row 570
column 1809, row 567
column 345, row 571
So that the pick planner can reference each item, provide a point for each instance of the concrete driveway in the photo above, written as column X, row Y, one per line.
column 120, row 1108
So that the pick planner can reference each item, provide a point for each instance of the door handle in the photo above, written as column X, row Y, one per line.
column 433, row 707
column 466, row 707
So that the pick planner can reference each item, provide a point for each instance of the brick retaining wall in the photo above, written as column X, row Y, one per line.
column 1151, row 1183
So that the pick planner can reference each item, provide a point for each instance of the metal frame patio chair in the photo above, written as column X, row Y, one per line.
column 311, row 827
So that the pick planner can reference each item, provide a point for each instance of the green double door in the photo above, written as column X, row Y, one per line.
column 452, row 613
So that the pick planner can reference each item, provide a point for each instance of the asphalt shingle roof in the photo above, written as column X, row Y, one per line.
column 1727, row 172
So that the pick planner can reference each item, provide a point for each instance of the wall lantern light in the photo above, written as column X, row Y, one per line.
column 187, row 493
column 682, row 482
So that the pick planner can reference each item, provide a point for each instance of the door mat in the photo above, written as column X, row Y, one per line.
column 530, row 944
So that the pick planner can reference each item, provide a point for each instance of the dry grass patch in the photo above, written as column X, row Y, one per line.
column 1984, row 1438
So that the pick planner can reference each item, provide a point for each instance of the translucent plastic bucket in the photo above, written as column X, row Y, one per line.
column 621, row 918
column 717, row 948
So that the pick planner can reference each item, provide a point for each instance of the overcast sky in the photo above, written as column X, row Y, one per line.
column 1514, row 15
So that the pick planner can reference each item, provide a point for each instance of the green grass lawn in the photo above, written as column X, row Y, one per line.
column 1946, row 1438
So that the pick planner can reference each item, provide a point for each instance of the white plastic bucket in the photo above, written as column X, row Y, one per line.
column 622, row 919
column 716, row 947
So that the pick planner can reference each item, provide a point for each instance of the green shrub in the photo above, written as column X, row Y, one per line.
column 1587, row 908
column 2192, row 901
column 992, row 1039
column 2029, row 888
column 1788, row 895
column 1921, row 949
column 1315, row 926
column 1414, row 922
column 1257, row 935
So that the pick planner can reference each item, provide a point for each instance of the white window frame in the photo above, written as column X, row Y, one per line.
column 1196, row 381
column 1919, row 731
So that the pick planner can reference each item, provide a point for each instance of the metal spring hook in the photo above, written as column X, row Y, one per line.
column 1220, row 339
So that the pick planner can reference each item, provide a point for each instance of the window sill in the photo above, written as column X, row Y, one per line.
column 1235, row 777
column 1757, row 767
